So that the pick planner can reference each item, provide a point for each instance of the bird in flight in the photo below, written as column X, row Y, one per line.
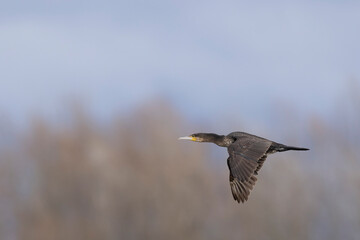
column 247, row 154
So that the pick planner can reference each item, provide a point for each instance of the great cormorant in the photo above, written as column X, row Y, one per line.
column 247, row 154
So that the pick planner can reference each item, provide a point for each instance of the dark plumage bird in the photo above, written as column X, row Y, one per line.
column 247, row 154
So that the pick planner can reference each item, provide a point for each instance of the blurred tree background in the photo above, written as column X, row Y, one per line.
column 132, row 179
column 94, row 95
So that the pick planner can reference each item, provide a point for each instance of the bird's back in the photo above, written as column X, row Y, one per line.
column 243, row 138
column 249, row 136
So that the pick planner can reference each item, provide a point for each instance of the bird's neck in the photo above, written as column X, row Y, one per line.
column 221, row 140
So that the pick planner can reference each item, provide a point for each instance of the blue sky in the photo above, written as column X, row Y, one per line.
column 205, row 57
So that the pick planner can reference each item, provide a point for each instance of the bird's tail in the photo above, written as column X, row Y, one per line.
column 283, row 148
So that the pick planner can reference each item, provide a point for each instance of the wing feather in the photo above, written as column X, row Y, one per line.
column 246, row 157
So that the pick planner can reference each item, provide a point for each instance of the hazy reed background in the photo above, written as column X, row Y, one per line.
column 132, row 179
column 94, row 94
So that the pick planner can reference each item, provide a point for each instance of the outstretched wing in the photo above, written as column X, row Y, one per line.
column 246, row 156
